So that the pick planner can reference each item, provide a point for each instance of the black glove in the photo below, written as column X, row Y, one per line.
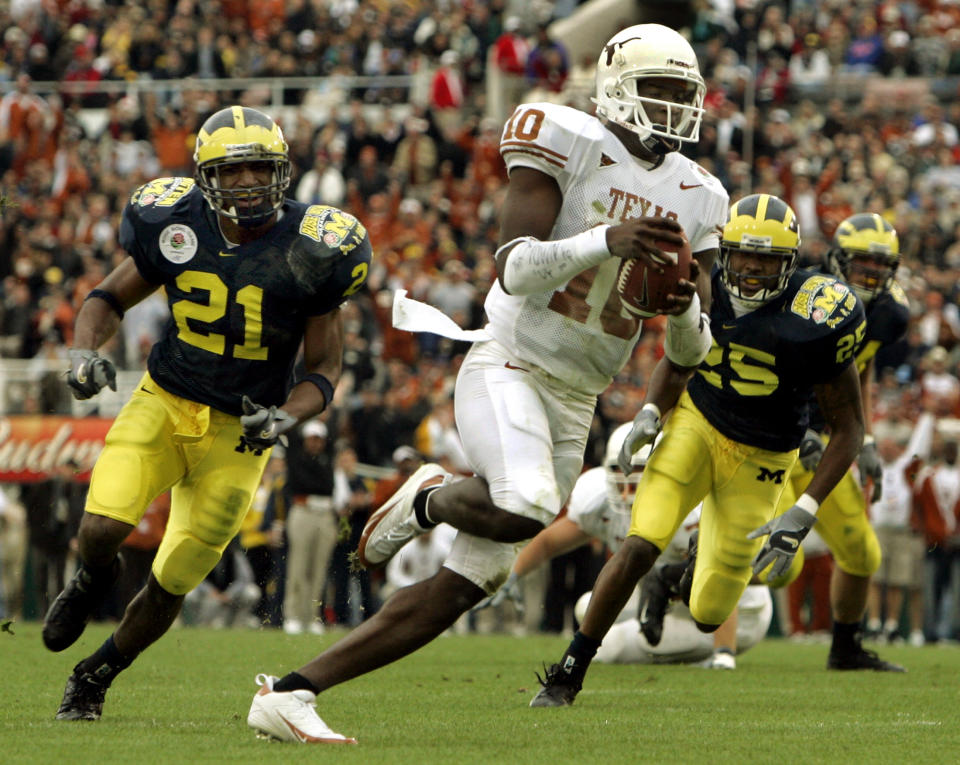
column 811, row 450
column 871, row 467
column 89, row 373
column 263, row 427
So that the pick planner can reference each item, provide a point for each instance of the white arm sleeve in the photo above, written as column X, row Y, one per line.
column 688, row 336
column 533, row 266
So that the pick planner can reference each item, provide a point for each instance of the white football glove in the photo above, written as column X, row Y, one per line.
column 510, row 589
column 786, row 533
column 646, row 426
column 871, row 467
column 811, row 450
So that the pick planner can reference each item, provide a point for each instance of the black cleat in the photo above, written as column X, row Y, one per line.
column 860, row 658
column 70, row 612
column 558, row 689
column 82, row 698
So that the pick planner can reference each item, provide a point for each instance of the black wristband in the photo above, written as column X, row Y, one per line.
column 107, row 297
column 325, row 386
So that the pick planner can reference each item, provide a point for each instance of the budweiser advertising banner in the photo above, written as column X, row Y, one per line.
column 32, row 445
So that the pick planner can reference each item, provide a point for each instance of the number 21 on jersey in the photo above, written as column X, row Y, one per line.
column 250, row 300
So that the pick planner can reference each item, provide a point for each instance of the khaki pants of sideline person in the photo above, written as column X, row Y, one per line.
column 311, row 536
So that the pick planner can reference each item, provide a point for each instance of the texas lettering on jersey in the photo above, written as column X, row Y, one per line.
column 625, row 205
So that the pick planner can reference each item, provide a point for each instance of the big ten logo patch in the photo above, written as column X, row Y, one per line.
column 332, row 227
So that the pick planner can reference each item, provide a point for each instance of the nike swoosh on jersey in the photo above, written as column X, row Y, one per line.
column 508, row 365
column 684, row 187
column 226, row 254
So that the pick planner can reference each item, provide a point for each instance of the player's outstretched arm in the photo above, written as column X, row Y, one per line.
column 840, row 404
column 323, row 358
column 97, row 321
column 561, row 536
column 666, row 384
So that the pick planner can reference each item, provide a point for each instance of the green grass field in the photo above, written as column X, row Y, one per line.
column 464, row 700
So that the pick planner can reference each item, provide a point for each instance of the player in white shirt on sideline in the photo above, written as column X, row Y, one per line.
column 584, row 194
column 599, row 508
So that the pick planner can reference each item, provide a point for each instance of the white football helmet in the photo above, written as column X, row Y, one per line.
column 617, row 482
column 648, row 51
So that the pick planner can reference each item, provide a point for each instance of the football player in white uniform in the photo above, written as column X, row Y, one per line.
column 584, row 193
column 599, row 508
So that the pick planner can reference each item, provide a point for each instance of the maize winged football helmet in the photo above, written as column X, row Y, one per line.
column 642, row 52
column 865, row 254
column 759, row 224
column 239, row 135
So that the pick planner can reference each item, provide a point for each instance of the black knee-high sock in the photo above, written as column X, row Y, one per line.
column 846, row 636
column 105, row 663
column 578, row 656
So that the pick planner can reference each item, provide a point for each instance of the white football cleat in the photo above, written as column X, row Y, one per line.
column 289, row 716
column 395, row 523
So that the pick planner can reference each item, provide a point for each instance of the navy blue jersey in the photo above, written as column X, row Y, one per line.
column 887, row 317
column 757, row 378
column 238, row 313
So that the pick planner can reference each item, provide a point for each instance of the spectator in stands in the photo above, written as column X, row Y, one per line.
column 311, row 527
column 808, row 596
column 415, row 161
column 899, row 581
column 865, row 50
column 809, row 66
column 263, row 540
column 353, row 502
column 937, row 495
column 510, row 52
column 323, row 183
column 547, row 64
column 54, row 506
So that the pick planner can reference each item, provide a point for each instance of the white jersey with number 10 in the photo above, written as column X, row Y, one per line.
column 579, row 333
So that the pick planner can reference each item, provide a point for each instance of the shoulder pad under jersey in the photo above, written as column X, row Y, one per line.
column 159, row 195
column 549, row 138
column 331, row 245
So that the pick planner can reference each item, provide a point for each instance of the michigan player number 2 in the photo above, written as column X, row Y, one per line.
column 249, row 298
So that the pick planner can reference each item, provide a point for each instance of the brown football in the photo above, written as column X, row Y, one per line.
column 643, row 292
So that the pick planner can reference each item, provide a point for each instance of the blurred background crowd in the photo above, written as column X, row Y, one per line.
column 393, row 110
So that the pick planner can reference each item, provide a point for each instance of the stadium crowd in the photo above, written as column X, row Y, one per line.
column 836, row 107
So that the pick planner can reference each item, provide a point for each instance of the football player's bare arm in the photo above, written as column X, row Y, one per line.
column 667, row 382
column 323, row 355
column 561, row 536
column 98, row 319
column 866, row 396
column 840, row 404
column 528, row 262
